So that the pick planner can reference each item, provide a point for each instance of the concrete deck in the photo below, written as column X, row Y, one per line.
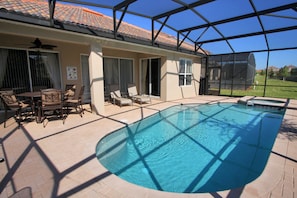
column 59, row 160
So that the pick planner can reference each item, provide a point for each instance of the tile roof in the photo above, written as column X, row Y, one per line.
column 72, row 14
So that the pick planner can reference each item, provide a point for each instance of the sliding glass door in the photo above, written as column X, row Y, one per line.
column 44, row 70
column 126, row 74
column 23, row 70
column 86, row 78
column 150, row 76
column 117, row 72
column 14, row 72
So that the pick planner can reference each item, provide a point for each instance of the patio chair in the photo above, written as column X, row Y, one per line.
column 133, row 94
column 117, row 98
column 51, row 100
column 69, row 91
column 11, row 102
column 76, row 101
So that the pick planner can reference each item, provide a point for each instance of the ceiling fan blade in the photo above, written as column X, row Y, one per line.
column 46, row 46
column 38, row 44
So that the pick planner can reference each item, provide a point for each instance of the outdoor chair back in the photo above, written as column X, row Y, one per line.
column 117, row 98
column 70, row 90
column 51, row 100
column 133, row 94
column 11, row 102
column 76, row 101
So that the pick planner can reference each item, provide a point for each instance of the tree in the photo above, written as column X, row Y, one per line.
column 262, row 72
column 271, row 73
column 283, row 72
column 294, row 71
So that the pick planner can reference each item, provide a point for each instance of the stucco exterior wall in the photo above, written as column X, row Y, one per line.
column 169, row 87
column 172, row 89
column 69, row 53
column 70, row 56
column 70, row 47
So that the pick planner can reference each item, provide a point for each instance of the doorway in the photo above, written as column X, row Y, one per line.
column 150, row 76
column 86, row 78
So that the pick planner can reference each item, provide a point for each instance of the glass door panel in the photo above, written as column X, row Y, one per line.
column 86, row 78
column 150, row 76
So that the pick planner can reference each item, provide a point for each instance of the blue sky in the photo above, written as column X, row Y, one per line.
column 277, row 58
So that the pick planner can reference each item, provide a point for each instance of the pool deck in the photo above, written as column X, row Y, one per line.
column 59, row 160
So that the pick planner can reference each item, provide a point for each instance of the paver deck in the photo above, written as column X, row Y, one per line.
column 59, row 160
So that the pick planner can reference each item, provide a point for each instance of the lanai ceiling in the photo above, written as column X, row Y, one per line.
column 218, row 26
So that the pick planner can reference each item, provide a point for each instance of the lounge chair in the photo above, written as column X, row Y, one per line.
column 118, row 99
column 133, row 94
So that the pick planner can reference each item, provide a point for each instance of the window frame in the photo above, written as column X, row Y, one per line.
column 184, row 73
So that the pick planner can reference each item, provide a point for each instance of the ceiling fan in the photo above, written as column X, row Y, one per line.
column 38, row 44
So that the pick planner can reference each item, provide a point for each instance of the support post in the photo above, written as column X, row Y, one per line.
column 96, row 78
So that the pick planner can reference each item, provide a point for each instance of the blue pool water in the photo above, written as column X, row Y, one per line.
column 193, row 148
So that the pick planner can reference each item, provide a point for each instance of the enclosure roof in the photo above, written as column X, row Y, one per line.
column 214, row 26
column 76, row 18
column 219, row 26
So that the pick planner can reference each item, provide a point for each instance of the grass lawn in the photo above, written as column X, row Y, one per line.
column 275, row 88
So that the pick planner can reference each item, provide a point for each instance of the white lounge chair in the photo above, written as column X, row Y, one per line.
column 133, row 94
column 118, row 99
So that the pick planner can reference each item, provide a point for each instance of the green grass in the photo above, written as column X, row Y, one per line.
column 275, row 88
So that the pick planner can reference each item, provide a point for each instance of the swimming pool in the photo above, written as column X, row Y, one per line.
column 193, row 148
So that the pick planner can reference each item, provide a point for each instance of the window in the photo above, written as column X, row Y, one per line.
column 185, row 72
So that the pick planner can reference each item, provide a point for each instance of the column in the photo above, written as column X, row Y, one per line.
column 96, row 78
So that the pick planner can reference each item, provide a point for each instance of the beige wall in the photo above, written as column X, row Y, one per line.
column 170, row 89
column 70, row 56
column 69, row 53
column 70, row 46
column 171, row 79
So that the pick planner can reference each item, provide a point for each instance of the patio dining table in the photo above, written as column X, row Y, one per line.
column 35, row 99
column 33, row 94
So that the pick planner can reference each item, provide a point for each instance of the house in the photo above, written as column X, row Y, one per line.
column 81, row 48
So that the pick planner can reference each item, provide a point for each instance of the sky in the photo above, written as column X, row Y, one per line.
column 277, row 58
